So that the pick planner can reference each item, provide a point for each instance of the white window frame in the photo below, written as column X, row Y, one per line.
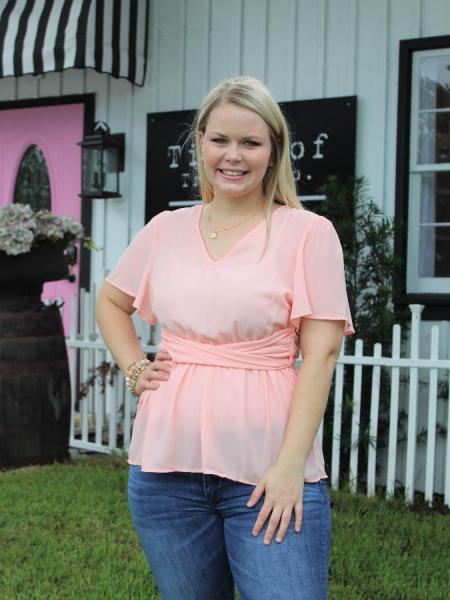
column 414, row 283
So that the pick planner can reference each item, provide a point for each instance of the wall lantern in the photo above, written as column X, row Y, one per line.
column 102, row 159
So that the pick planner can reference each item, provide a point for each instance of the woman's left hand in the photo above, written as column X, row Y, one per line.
column 283, row 487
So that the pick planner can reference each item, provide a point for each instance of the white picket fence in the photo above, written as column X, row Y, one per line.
column 102, row 421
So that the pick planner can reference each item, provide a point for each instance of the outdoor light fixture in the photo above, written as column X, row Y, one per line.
column 102, row 159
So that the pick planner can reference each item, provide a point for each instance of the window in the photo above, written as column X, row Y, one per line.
column 423, row 171
column 32, row 181
column 429, row 183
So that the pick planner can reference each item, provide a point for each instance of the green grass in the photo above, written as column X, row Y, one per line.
column 66, row 533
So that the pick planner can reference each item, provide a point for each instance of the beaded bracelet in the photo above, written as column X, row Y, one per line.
column 133, row 372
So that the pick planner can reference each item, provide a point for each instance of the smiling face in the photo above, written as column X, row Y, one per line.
column 236, row 150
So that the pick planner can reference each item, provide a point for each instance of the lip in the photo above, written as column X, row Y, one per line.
column 232, row 177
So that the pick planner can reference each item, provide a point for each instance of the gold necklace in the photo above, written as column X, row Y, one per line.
column 213, row 232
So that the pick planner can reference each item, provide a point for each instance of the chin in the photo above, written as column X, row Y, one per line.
column 234, row 192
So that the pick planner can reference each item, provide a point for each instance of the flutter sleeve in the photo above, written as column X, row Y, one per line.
column 319, row 290
column 132, row 273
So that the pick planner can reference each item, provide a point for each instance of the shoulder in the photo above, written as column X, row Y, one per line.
column 172, row 218
column 311, row 233
column 305, row 221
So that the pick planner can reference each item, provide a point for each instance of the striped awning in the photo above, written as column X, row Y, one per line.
column 39, row 36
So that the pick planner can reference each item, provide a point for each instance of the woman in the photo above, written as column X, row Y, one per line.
column 227, row 482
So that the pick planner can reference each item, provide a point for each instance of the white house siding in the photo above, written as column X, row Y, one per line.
column 302, row 49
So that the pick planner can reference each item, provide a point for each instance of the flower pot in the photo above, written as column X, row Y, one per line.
column 45, row 262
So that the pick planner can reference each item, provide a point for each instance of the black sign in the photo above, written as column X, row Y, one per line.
column 323, row 143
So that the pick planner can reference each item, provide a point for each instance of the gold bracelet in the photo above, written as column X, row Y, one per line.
column 133, row 373
column 134, row 364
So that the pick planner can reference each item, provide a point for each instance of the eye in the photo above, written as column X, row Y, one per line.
column 218, row 140
column 251, row 143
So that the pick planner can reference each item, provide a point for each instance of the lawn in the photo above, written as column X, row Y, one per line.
column 66, row 533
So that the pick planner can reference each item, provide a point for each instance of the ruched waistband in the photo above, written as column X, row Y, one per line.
column 275, row 351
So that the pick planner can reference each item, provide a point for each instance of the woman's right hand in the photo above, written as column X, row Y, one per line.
column 158, row 371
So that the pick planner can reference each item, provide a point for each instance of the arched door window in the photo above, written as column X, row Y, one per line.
column 32, row 182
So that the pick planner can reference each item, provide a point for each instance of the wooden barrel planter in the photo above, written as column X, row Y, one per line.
column 34, row 373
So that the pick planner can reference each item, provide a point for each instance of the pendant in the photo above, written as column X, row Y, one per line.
column 213, row 235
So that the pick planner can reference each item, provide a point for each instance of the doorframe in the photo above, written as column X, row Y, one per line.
column 88, row 123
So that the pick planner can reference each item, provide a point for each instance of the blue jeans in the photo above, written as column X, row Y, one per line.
column 196, row 532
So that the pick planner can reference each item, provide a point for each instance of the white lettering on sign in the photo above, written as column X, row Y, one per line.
column 297, row 150
column 192, row 155
column 185, row 177
column 298, row 147
column 174, row 153
column 318, row 143
column 189, row 178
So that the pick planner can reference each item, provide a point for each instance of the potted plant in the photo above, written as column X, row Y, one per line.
column 35, row 246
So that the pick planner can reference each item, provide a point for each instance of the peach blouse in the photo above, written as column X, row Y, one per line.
column 230, row 328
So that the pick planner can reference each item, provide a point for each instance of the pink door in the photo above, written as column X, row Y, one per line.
column 55, row 130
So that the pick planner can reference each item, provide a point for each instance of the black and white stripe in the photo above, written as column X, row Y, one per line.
column 39, row 36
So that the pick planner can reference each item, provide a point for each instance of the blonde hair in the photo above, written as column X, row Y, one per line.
column 250, row 93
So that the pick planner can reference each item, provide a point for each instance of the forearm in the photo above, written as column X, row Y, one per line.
column 310, row 395
column 119, row 334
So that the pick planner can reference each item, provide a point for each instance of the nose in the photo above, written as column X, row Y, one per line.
column 233, row 153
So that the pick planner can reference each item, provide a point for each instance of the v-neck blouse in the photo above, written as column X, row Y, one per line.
column 242, row 239
column 230, row 328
